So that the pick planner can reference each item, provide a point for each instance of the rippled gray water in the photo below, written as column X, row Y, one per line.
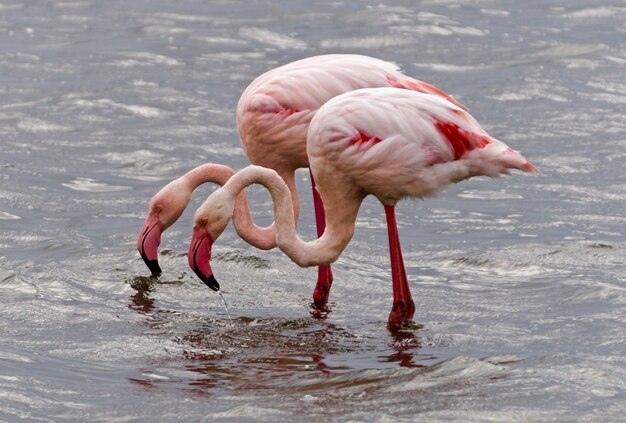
column 519, row 282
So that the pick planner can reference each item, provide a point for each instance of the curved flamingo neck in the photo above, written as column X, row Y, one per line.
column 209, row 172
column 340, row 215
column 257, row 236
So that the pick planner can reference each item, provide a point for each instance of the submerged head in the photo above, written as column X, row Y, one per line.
column 165, row 209
column 209, row 222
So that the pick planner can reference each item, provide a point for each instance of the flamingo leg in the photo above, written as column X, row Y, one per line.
column 403, row 305
column 324, row 272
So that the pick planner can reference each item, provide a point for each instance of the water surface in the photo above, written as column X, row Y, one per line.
column 519, row 282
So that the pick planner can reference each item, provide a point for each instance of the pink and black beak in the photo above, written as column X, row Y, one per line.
column 200, row 257
column 148, row 242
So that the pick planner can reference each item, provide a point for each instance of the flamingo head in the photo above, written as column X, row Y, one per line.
column 210, row 220
column 149, row 240
column 165, row 209
column 200, row 257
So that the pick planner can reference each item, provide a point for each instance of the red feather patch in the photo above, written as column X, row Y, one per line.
column 285, row 111
column 461, row 140
column 362, row 137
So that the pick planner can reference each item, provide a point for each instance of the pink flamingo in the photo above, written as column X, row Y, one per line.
column 273, row 116
column 386, row 142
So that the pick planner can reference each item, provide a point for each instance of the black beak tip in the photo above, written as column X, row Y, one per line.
column 210, row 282
column 153, row 265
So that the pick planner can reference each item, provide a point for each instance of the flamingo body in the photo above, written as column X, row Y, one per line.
column 385, row 142
column 273, row 117
column 395, row 144
column 274, row 112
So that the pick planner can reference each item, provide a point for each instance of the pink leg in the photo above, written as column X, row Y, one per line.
column 324, row 272
column 403, row 306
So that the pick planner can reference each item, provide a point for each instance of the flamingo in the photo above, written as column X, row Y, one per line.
column 273, row 116
column 385, row 142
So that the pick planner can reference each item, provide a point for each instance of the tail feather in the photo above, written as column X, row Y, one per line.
column 460, row 140
column 529, row 167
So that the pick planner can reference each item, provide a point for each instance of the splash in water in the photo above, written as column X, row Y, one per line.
column 225, row 306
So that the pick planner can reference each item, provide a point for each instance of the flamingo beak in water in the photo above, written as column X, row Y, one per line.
column 200, row 257
column 148, row 242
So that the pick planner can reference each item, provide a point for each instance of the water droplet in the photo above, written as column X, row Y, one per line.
column 225, row 306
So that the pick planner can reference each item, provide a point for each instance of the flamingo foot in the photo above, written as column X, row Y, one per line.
column 322, row 288
column 401, row 313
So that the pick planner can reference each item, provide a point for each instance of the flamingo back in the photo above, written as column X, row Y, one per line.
column 274, row 112
column 398, row 143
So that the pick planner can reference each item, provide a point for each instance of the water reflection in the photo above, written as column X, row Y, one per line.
column 141, row 302
column 405, row 344
column 250, row 354
column 253, row 353
column 319, row 313
column 278, row 357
